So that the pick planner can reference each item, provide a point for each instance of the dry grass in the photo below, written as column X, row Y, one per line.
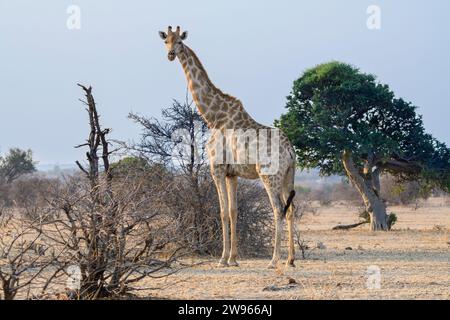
column 414, row 259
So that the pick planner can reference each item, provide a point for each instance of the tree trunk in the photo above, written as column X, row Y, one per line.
column 369, row 190
column 377, row 212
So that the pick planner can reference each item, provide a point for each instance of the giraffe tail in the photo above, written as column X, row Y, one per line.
column 288, row 202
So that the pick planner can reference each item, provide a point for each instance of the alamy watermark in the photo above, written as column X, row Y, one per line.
column 74, row 19
column 259, row 147
column 74, row 278
column 374, row 20
column 373, row 281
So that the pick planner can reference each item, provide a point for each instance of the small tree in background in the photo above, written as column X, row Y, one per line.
column 15, row 164
column 344, row 122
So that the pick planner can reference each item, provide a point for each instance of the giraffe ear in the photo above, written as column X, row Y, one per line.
column 162, row 35
column 184, row 35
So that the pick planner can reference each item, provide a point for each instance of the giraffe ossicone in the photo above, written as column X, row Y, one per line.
column 256, row 151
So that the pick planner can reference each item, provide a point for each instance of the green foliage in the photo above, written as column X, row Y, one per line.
column 135, row 167
column 437, row 169
column 391, row 219
column 16, row 163
column 334, row 107
column 130, row 163
column 398, row 189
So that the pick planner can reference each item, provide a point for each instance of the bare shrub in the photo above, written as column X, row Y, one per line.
column 255, row 220
column 24, row 256
column 403, row 192
column 301, row 207
column 196, row 208
column 343, row 191
column 304, row 204
column 113, row 233
column 328, row 193
column 323, row 195
column 114, row 243
column 29, row 196
column 447, row 200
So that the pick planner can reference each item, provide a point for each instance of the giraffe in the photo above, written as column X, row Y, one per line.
column 224, row 113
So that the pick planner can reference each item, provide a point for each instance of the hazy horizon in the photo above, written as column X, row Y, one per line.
column 251, row 50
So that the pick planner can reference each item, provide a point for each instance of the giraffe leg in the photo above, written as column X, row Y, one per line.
column 288, row 187
column 232, row 204
column 277, row 246
column 277, row 206
column 290, row 224
column 223, row 200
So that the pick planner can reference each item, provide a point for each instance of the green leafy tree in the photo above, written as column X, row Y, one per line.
column 343, row 122
column 130, row 164
column 16, row 163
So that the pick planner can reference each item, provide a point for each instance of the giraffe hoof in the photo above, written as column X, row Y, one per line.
column 272, row 265
column 290, row 264
column 222, row 263
column 233, row 263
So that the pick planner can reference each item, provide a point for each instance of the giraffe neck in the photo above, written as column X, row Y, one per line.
column 215, row 107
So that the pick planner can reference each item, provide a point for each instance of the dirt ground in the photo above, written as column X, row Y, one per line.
column 410, row 262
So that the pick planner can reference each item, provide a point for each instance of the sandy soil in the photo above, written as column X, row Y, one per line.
column 413, row 260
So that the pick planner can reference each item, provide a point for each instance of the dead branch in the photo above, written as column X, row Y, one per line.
column 349, row 226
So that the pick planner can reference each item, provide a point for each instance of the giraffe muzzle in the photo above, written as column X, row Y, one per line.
column 171, row 55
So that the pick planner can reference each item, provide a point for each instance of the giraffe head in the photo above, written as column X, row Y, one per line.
column 173, row 41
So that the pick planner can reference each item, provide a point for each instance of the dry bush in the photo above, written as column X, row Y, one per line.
column 114, row 234
column 344, row 191
column 30, row 190
column 329, row 193
column 402, row 193
column 322, row 195
column 115, row 242
column 24, row 256
column 194, row 204
column 255, row 220
column 303, row 204
column 4, row 195
column 447, row 200
column 29, row 196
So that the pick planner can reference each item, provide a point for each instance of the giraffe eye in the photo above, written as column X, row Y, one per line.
column 166, row 42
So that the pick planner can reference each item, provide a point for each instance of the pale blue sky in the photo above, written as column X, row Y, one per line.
column 252, row 50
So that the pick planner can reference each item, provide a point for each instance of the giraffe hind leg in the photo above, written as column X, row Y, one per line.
column 277, row 206
column 288, row 196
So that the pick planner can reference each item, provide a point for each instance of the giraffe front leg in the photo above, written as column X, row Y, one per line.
column 223, row 262
column 232, row 204
column 223, row 200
